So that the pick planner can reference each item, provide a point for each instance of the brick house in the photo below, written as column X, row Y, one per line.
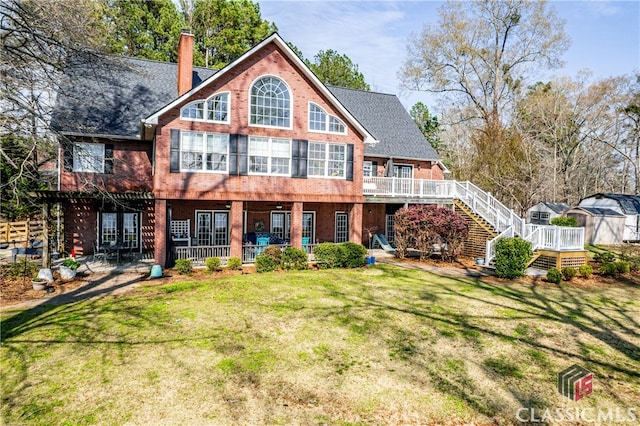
column 182, row 161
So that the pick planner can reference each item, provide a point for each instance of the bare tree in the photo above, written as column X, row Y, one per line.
column 37, row 37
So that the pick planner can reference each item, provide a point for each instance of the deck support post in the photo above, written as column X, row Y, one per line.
column 296, row 224
column 236, row 219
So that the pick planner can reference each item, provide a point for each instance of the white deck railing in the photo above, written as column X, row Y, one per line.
column 502, row 218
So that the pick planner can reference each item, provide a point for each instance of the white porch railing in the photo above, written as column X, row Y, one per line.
column 198, row 254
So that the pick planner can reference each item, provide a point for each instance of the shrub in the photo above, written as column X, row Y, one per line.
column 294, row 258
column 585, row 271
column 565, row 221
column 353, row 255
column 512, row 257
column 569, row 272
column 634, row 264
column 213, row 263
column 608, row 269
column 554, row 276
column 184, row 266
column 273, row 252
column 604, row 257
column 234, row 263
column 328, row 255
column 623, row 267
column 265, row 263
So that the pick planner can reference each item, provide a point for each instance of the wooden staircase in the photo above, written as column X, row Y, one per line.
column 480, row 231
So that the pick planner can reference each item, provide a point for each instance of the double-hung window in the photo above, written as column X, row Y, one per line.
column 269, row 156
column 204, row 151
column 327, row 159
column 88, row 157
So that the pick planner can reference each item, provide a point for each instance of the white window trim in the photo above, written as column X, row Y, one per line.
column 327, row 115
column 364, row 168
column 291, row 104
column 204, row 161
column 77, row 146
column 268, row 173
column 205, row 111
column 335, row 221
column 406, row 165
column 326, row 162
column 287, row 223
column 213, row 225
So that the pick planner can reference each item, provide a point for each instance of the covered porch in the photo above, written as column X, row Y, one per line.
column 197, row 230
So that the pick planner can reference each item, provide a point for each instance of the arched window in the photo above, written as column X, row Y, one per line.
column 320, row 121
column 194, row 110
column 270, row 103
column 218, row 107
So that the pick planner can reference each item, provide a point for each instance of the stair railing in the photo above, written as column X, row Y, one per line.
column 490, row 248
column 489, row 208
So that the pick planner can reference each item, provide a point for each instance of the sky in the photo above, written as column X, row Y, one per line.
column 605, row 35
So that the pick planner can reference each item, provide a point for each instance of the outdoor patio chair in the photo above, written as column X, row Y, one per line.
column 99, row 253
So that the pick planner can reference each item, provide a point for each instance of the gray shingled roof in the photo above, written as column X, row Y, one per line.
column 630, row 204
column 386, row 119
column 110, row 95
column 599, row 211
column 557, row 207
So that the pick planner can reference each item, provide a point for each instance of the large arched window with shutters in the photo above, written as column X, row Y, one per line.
column 270, row 103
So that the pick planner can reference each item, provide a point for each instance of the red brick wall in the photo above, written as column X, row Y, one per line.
column 81, row 224
column 223, row 187
column 131, row 169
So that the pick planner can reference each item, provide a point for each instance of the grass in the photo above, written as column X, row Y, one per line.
column 381, row 345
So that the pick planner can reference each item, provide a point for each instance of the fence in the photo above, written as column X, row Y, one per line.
column 20, row 232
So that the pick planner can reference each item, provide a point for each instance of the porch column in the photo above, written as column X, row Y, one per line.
column 160, row 233
column 46, row 259
column 296, row 225
column 355, row 223
column 236, row 218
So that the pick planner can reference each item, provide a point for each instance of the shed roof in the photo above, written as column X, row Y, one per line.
column 630, row 204
column 555, row 207
column 599, row 211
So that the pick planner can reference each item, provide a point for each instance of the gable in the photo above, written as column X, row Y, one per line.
column 254, row 55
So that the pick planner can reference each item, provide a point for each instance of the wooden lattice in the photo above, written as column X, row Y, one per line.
column 479, row 232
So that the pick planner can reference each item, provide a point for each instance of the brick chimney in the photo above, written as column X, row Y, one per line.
column 185, row 62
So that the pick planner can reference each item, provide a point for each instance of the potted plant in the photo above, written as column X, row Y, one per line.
column 38, row 283
column 69, row 268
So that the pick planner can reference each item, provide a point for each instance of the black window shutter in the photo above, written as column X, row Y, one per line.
column 174, row 158
column 233, row 155
column 108, row 159
column 349, row 171
column 374, row 168
column 295, row 157
column 68, row 156
column 302, row 164
column 243, row 157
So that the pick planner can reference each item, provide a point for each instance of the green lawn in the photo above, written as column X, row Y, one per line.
column 381, row 345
